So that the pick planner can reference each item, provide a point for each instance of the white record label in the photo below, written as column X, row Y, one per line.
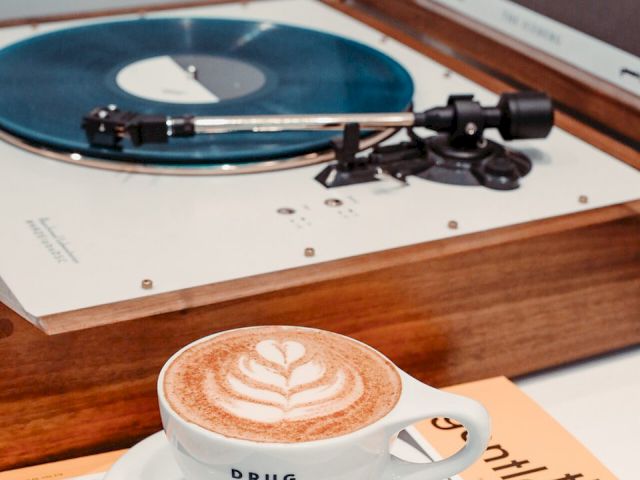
column 189, row 79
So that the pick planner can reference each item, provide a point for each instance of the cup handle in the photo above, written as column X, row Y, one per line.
column 423, row 402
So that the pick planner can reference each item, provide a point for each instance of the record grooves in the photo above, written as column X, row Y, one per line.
column 219, row 67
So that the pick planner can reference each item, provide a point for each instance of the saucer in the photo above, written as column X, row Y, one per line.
column 152, row 459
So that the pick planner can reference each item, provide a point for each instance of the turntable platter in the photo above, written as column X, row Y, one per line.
column 192, row 66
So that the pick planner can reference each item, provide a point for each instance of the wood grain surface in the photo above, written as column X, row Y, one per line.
column 245, row 288
column 508, row 309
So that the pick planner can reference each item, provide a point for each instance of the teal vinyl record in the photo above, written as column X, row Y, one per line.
column 194, row 66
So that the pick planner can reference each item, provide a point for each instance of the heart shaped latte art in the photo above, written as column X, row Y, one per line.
column 279, row 381
column 283, row 353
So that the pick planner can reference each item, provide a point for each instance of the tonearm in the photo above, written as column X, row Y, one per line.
column 458, row 154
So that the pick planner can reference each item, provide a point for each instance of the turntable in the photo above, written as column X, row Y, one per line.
column 175, row 173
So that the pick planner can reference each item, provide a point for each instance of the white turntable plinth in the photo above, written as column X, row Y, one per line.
column 75, row 237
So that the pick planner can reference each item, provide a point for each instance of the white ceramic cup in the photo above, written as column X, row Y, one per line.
column 360, row 455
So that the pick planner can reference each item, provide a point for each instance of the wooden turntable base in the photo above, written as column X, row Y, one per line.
column 505, row 302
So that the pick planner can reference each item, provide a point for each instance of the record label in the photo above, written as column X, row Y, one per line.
column 190, row 79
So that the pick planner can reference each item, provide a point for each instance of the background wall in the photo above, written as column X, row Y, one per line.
column 614, row 21
column 32, row 8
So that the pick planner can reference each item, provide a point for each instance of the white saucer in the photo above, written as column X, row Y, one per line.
column 151, row 459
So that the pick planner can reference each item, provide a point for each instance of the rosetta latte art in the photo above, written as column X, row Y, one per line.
column 279, row 384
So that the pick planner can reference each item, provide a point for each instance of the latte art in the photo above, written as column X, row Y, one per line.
column 281, row 384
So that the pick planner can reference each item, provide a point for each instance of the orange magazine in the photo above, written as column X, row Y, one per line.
column 74, row 467
column 526, row 443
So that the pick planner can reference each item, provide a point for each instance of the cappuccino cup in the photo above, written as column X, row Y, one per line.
column 295, row 403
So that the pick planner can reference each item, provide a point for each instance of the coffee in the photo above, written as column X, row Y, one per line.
column 281, row 384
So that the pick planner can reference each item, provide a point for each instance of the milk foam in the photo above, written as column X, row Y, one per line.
column 264, row 394
column 281, row 384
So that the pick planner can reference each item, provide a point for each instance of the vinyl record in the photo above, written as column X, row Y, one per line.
column 177, row 66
